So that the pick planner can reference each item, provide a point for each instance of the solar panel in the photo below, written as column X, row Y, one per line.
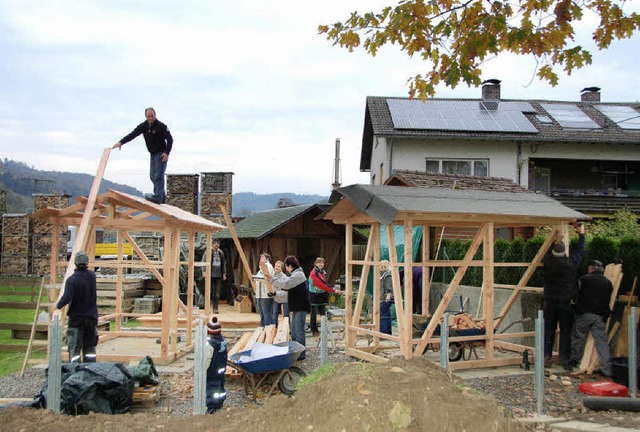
column 623, row 115
column 570, row 116
column 496, row 116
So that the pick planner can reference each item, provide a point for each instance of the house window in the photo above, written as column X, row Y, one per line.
column 469, row 167
column 540, row 179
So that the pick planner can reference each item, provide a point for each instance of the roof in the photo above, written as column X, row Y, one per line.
column 263, row 223
column 453, row 181
column 136, row 211
column 378, row 122
column 386, row 204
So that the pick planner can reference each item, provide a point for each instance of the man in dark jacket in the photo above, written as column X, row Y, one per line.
column 218, row 273
column 80, row 294
column 159, row 142
column 560, row 292
column 591, row 313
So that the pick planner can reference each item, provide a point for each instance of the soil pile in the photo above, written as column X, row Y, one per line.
column 411, row 395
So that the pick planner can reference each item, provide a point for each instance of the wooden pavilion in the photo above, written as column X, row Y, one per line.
column 125, row 214
column 382, row 207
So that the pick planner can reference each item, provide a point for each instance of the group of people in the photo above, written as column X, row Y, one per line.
column 285, row 289
column 579, row 305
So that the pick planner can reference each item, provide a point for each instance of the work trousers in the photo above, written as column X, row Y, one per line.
column 585, row 323
column 216, row 285
column 317, row 309
column 558, row 312
column 296, row 326
column 81, row 339
column 157, row 169
column 265, row 307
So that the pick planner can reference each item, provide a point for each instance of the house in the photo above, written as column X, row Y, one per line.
column 287, row 231
column 584, row 153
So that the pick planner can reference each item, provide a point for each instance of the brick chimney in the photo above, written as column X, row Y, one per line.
column 491, row 89
column 590, row 94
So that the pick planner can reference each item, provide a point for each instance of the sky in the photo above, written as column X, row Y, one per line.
column 245, row 86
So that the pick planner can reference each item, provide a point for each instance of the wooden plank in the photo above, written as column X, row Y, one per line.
column 282, row 334
column 395, row 280
column 254, row 338
column 354, row 352
column 270, row 332
column 349, row 337
column 239, row 346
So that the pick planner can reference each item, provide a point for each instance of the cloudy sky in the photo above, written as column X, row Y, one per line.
column 245, row 86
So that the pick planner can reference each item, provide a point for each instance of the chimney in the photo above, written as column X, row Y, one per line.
column 590, row 94
column 491, row 89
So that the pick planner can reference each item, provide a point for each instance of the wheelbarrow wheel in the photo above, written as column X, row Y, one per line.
column 455, row 351
column 289, row 380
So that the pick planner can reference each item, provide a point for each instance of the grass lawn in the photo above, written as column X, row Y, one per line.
column 11, row 361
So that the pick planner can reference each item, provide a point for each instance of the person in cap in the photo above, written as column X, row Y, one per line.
column 80, row 294
column 591, row 313
column 560, row 291
column 217, row 354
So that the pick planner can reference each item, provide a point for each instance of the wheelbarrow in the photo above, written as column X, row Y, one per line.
column 255, row 372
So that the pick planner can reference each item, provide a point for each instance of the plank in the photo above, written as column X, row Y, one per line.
column 282, row 334
column 270, row 332
column 254, row 338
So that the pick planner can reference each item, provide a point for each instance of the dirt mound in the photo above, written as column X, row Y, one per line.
column 399, row 395
column 412, row 395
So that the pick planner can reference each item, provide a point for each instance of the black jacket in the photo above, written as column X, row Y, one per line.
column 561, row 274
column 80, row 294
column 594, row 294
column 156, row 136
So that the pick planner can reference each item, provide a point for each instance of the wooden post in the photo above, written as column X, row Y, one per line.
column 207, row 277
column 487, row 286
column 406, row 347
column 190, row 285
column 349, row 334
column 426, row 278
column 395, row 278
column 234, row 236
column 375, row 231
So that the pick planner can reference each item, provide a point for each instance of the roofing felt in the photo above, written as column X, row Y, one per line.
column 378, row 122
column 383, row 203
column 262, row 223
column 453, row 181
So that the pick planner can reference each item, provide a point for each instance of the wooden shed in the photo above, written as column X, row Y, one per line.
column 294, row 230
column 382, row 207
column 125, row 214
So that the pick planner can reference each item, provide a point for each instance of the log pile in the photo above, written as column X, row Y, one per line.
column 182, row 191
column 15, row 244
column 465, row 321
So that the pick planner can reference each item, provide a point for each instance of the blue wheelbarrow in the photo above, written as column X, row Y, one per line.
column 255, row 372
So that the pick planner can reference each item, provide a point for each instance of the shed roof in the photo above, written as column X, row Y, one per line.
column 263, row 223
column 453, row 181
column 136, row 211
column 386, row 204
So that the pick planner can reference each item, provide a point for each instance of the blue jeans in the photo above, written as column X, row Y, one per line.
column 265, row 307
column 296, row 325
column 276, row 311
column 156, row 173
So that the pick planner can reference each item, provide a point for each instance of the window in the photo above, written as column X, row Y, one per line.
column 469, row 167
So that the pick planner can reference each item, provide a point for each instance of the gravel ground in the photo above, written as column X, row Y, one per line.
column 514, row 392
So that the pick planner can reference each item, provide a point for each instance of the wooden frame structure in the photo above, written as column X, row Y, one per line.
column 381, row 207
column 125, row 214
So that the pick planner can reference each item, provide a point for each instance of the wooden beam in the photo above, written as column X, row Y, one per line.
column 234, row 236
column 426, row 271
column 395, row 279
column 190, row 286
column 349, row 336
column 487, row 287
column 354, row 352
column 406, row 347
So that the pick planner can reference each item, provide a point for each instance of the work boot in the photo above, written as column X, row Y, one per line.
column 152, row 198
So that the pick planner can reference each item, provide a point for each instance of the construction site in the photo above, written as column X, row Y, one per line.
column 380, row 381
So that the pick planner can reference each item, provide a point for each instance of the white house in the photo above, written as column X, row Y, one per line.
column 584, row 153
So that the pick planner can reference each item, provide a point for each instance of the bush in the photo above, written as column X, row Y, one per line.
column 629, row 253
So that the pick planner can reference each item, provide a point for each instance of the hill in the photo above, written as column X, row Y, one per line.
column 20, row 181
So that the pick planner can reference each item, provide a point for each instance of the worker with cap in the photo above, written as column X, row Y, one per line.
column 591, row 313
column 80, row 294
column 559, row 295
column 217, row 357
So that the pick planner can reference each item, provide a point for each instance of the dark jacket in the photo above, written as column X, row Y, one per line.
column 218, row 271
column 156, row 136
column 561, row 274
column 296, row 287
column 80, row 294
column 594, row 294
